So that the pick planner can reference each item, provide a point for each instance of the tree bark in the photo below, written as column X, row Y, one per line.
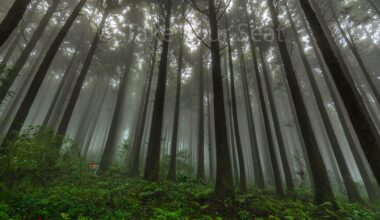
column 277, row 176
column 12, row 19
column 86, row 115
column 12, row 75
column 28, row 100
column 369, row 185
column 351, row 44
column 352, row 191
column 152, row 165
column 364, row 126
column 230, row 123
column 224, row 182
column 16, row 37
column 62, row 128
column 91, row 128
column 58, row 93
column 7, row 115
column 322, row 186
column 243, row 181
column 174, row 142
column 109, row 148
column 201, row 157
column 10, row 50
column 136, row 147
column 209, row 127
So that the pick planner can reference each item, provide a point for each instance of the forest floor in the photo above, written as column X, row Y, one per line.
column 38, row 182
column 119, row 197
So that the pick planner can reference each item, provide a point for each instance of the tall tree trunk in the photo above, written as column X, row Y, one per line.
column 276, row 125
column 230, row 123
column 369, row 185
column 152, row 165
column 268, row 132
column 11, row 77
column 352, row 45
column 28, row 100
column 201, row 157
column 352, row 191
column 92, row 126
column 12, row 19
column 10, row 50
column 56, row 115
column 61, row 86
column 8, row 114
column 209, row 127
column 364, row 126
column 86, row 115
column 136, row 147
column 322, row 185
column 109, row 148
column 174, row 142
column 243, row 181
column 64, row 124
column 224, row 181
column 16, row 37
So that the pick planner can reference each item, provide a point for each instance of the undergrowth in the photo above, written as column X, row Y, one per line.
column 40, row 181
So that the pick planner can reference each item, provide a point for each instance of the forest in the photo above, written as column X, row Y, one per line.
column 190, row 109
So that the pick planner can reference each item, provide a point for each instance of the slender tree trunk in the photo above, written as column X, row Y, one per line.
column 364, row 126
column 67, row 76
column 352, row 191
column 152, row 165
column 8, row 114
column 86, row 115
column 10, row 50
column 351, row 44
column 243, row 181
column 224, row 181
column 369, row 185
column 92, row 126
column 174, row 142
column 201, row 157
column 12, row 75
column 109, row 148
column 271, row 146
column 60, row 89
column 136, row 148
column 322, row 185
column 209, row 127
column 28, row 100
column 230, row 123
column 15, row 71
column 16, row 37
column 12, row 19
column 59, row 107
column 276, row 125
column 64, row 124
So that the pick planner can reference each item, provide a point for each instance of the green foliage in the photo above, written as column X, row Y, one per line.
column 124, row 148
column 35, row 156
column 183, row 167
column 125, row 198
column 42, row 181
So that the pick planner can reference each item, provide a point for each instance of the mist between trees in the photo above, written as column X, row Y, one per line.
column 243, row 94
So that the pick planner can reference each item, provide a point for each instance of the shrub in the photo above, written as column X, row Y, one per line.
column 36, row 156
